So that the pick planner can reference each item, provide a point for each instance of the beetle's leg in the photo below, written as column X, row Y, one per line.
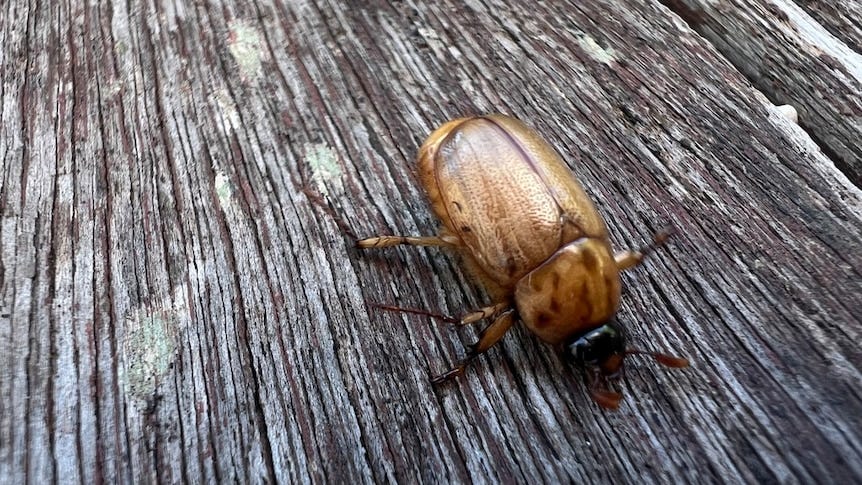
column 387, row 241
column 482, row 313
column 417, row 311
column 467, row 319
column 489, row 336
column 628, row 259
column 598, row 386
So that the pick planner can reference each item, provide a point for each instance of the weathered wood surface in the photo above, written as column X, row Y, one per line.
column 177, row 306
column 793, row 58
column 842, row 18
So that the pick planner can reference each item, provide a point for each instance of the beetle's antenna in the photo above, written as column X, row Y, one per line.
column 663, row 359
column 416, row 311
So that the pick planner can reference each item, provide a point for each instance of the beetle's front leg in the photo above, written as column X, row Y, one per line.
column 387, row 241
column 487, row 339
column 629, row 259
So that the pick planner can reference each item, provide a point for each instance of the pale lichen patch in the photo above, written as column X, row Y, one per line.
column 223, row 189
column 246, row 47
column 596, row 51
column 325, row 171
column 148, row 349
column 148, row 346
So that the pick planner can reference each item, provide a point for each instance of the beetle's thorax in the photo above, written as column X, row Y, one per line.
column 575, row 290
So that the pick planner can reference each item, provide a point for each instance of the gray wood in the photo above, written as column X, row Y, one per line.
column 842, row 18
column 793, row 59
column 180, row 301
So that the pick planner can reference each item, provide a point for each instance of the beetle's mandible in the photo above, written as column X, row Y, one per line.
column 535, row 240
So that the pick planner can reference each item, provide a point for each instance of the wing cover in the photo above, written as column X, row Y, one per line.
column 506, row 193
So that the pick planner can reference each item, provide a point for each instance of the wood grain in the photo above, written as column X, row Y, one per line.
column 180, row 301
column 842, row 18
column 802, row 53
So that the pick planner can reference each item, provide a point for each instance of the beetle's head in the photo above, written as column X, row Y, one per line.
column 600, row 353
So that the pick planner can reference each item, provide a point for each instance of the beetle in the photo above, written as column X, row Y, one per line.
column 530, row 234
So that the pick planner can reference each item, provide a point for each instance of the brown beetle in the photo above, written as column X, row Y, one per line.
column 534, row 238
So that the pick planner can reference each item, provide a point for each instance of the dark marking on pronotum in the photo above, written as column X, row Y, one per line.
column 555, row 280
column 542, row 320
column 588, row 259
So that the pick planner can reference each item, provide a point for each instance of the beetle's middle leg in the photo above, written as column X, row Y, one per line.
column 629, row 259
column 487, row 339
column 387, row 241
column 482, row 313
column 466, row 319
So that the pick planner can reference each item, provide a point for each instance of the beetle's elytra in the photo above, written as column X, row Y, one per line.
column 533, row 237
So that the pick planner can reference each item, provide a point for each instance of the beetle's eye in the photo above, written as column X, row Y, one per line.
column 581, row 352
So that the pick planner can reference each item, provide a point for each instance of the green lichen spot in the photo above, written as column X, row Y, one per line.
column 245, row 46
column 148, row 350
column 223, row 189
column 325, row 170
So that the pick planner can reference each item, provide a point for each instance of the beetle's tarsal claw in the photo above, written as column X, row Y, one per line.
column 659, row 240
column 663, row 235
column 448, row 375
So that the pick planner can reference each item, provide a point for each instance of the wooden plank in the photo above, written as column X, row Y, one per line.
column 179, row 299
column 842, row 18
column 795, row 60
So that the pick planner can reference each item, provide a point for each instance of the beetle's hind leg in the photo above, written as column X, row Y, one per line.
column 487, row 339
column 388, row 241
column 629, row 259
